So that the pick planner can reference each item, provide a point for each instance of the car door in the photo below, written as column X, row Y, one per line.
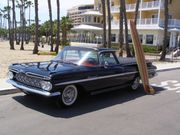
column 109, row 71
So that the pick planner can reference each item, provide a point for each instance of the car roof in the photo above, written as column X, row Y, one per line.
column 90, row 48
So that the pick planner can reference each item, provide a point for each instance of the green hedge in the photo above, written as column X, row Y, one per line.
column 146, row 48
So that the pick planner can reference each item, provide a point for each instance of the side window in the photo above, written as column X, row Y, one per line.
column 71, row 55
column 107, row 58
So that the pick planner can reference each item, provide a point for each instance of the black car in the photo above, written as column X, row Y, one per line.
column 75, row 69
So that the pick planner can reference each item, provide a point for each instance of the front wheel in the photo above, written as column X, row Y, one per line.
column 136, row 83
column 68, row 96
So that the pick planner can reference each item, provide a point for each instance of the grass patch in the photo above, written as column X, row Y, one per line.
column 47, row 53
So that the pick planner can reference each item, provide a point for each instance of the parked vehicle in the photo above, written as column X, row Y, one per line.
column 75, row 69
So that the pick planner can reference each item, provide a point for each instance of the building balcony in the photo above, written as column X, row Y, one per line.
column 148, row 22
column 153, row 5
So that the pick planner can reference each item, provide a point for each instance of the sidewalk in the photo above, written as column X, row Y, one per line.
column 6, row 88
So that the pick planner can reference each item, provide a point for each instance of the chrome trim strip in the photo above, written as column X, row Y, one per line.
column 14, row 70
column 94, row 78
column 33, row 75
column 33, row 90
column 102, row 77
column 37, row 76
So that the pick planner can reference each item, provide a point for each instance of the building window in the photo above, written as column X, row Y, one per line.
column 113, row 37
column 141, row 38
column 129, row 38
column 95, row 19
column 89, row 18
column 149, row 39
column 98, row 20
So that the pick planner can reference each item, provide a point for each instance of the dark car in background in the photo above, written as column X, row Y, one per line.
column 77, row 69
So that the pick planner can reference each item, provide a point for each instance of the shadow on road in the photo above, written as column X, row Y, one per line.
column 86, row 103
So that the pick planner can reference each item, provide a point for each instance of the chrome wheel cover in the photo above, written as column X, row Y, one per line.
column 69, row 95
column 136, row 83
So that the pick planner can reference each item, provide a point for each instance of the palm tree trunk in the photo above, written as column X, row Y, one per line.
column 29, row 35
column 22, row 29
column 14, row 34
column 166, row 15
column 51, row 25
column 35, row 50
column 126, row 29
column 9, row 28
column 58, row 27
column 103, row 3
column 137, row 11
column 121, row 29
column 109, row 23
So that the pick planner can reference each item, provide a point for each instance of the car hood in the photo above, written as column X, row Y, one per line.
column 43, row 68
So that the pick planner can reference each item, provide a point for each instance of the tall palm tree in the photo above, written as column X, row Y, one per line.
column 121, row 29
column 103, row 3
column 35, row 50
column 51, row 25
column 8, row 10
column 58, row 27
column 1, row 16
column 14, row 35
column 136, row 11
column 166, row 15
column 29, row 5
column 22, row 16
column 126, row 29
column 66, row 25
column 109, row 23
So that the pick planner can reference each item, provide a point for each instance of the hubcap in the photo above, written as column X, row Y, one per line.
column 69, row 95
column 136, row 83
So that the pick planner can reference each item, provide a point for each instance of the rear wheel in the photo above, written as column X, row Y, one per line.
column 68, row 96
column 136, row 83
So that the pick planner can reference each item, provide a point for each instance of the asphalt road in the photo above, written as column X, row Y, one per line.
column 116, row 113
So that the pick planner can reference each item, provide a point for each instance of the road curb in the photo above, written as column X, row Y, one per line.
column 9, row 91
column 168, row 69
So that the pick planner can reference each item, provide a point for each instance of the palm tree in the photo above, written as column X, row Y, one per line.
column 166, row 15
column 14, row 22
column 126, row 29
column 29, row 4
column 35, row 50
column 103, row 3
column 66, row 25
column 58, row 27
column 8, row 10
column 109, row 23
column 1, row 16
column 121, row 29
column 137, row 11
column 51, row 25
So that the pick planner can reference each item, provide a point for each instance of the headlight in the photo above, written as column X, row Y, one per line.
column 10, row 75
column 47, row 86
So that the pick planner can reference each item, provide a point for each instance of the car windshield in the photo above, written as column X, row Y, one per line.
column 78, row 56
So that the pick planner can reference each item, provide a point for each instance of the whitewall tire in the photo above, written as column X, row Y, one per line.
column 68, row 96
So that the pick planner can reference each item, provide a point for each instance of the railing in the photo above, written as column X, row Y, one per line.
column 150, row 5
column 143, row 6
column 147, row 21
column 173, row 23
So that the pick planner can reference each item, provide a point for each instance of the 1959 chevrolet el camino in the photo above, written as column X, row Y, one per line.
column 75, row 69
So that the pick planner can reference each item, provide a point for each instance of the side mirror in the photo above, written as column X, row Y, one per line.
column 106, row 64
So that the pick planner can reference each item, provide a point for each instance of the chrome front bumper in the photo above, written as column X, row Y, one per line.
column 33, row 90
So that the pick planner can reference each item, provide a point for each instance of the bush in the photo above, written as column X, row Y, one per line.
column 146, row 48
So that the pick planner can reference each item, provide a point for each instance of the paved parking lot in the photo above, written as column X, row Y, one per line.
column 120, row 112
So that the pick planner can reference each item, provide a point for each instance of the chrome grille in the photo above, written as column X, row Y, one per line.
column 27, row 80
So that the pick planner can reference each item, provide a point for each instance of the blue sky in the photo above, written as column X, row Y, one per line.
column 43, row 7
